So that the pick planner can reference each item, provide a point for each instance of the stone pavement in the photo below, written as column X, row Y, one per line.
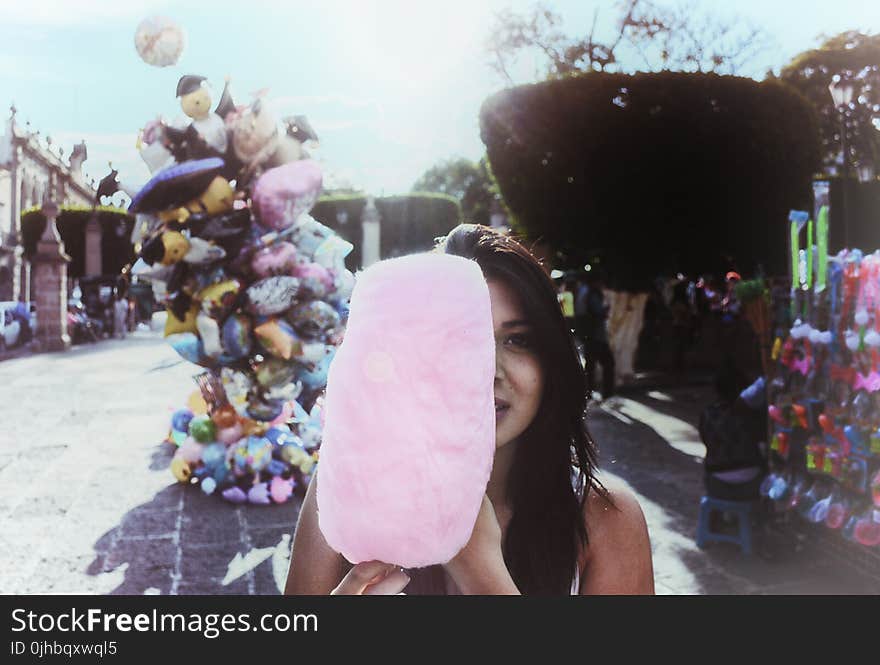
column 648, row 440
column 88, row 505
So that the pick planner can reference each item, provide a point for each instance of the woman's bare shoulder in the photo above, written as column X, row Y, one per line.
column 617, row 559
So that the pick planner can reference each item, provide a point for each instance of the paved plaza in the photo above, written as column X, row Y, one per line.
column 88, row 504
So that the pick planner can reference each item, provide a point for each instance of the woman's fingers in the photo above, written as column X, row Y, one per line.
column 391, row 585
column 361, row 576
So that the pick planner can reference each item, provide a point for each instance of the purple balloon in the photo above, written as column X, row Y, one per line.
column 283, row 194
column 235, row 494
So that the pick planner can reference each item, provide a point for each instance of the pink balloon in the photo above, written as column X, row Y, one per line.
column 230, row 435
column 191, row 450
column 280, row 489
column 281, row 195
column 775, row 413
column 285, row 415
column 277, row 259
column 315, row 279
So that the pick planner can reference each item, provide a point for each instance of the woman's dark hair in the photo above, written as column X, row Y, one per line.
column 546, row 531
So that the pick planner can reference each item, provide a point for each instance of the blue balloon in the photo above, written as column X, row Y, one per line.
column 177, row 436
column 854, row 435
column 180, row 419
column 188, row 346
column 236, row 336
column 221, row 474
column 317, row 377
column 279, row 436
column 276, row 467
column 214, row 454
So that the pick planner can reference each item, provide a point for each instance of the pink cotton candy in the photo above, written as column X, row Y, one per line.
column 409, row 432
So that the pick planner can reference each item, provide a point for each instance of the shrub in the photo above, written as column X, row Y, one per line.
column 657, row 172
column 116, row 226
column 409, row 223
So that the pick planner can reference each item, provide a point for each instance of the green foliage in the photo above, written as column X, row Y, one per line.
column 116, row 249
column 752, row 289
column 409, row 223
column 855, row 57
column 656, row 172
column 471, row 184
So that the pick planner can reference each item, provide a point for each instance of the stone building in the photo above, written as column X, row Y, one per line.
column 32, row 171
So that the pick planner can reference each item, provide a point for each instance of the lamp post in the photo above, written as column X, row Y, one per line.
column 841, row 90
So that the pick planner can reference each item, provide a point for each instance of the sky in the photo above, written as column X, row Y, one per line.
column 391, row 86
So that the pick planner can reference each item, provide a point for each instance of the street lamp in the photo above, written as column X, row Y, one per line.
column 841, row 90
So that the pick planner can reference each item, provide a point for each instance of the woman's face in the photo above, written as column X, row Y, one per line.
column 519, row 379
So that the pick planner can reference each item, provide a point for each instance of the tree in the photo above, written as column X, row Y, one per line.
column 654, row 171
column 855, row 57
column 681, row 38
column 472, row 184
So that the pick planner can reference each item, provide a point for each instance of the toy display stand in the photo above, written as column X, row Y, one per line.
column 824, row 400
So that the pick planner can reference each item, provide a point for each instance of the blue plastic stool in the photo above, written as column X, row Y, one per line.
column 742, row 510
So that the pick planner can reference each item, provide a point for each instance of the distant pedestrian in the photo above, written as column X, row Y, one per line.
column 598, row 349
column 581, row 311
column 682, row 326
column 120, row 316
column 566, row 302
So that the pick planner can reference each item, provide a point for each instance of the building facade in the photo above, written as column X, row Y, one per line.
column 32, row 171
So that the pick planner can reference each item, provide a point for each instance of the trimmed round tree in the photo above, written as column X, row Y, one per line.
column 655, row 172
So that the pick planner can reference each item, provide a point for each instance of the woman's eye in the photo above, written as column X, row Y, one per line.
column 518, row 340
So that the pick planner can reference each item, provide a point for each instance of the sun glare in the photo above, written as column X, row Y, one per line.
column 412, row 45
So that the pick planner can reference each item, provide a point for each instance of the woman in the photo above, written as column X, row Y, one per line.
column 546, row 525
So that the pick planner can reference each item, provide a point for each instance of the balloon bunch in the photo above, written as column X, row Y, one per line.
column 256, row 290
column 243, row 460
column 825, row 411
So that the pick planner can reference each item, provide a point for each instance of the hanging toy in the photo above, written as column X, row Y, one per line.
column 195, row 101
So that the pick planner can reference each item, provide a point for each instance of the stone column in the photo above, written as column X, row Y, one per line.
column 94, row 265
column 50, row 278
column 18, row 262
column 370, row 249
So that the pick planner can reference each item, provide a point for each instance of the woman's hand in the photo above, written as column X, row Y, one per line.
column 479, row 567
column 372, row 578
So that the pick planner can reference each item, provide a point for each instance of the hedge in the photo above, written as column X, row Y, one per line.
column 409, row 223
column 657, row 172
column 116, row 248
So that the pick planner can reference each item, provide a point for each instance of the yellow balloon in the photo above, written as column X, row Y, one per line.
column 218, row 197
column 253, row 428
column 197, row 404
column 173, row 325
column 212, row 297
column 176, row 247
column 777, row 349
column 278, row 341
column 181, row 469
column 174, row 215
